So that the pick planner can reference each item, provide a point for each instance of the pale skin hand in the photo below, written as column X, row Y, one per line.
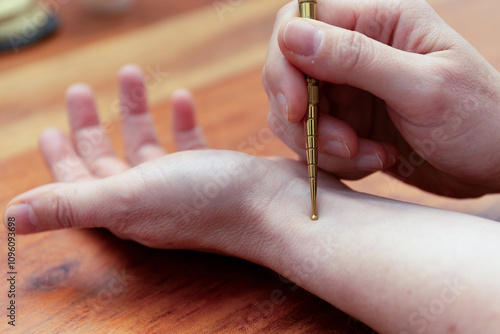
column 398, row 267
column 396, row 79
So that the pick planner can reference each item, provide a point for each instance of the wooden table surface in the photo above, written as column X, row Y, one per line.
column 88, row 281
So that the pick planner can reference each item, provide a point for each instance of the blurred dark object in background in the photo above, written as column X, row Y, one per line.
column 24, row 22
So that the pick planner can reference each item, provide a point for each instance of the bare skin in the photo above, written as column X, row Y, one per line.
column 400, row 268
column 399, row 85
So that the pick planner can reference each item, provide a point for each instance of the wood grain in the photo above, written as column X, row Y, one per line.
column 88, row 281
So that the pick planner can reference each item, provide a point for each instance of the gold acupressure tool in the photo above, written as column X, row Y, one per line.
column 308, row 10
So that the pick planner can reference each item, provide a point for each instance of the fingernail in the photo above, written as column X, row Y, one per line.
column 283, row 103
column 22, row 218
column 370, row 163
column 302, row 37
column 338, row 148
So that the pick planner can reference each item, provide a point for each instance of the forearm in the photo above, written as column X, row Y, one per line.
column 382, row 185
column 397, row 267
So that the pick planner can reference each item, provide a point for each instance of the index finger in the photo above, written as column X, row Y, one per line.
column 283, row 82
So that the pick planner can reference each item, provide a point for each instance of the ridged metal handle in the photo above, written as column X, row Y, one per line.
column 308, row 10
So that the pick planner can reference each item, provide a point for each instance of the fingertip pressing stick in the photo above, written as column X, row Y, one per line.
column 308, row 10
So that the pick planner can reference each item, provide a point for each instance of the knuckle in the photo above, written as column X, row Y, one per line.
column 125, row 207
column 269, row 77
column 64, row 216
column 354, row 50
column 381, row 24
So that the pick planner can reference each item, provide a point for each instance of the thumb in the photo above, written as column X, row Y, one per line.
column 341, row 56
column 65, row 205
